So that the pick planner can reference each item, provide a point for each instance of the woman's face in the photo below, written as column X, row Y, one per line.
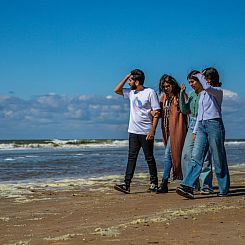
column 196, row 85
column 168, row 88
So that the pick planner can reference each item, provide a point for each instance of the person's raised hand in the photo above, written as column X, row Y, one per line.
column 183, row 87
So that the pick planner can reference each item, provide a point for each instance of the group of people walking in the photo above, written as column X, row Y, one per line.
column 192, row 131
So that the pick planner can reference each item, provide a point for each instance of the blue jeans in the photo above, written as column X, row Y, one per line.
column 210, row 134
column 167, row 161
column 206, row 176
column 136, row 141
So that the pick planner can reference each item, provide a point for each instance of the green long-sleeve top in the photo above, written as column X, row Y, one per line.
column 191, row 106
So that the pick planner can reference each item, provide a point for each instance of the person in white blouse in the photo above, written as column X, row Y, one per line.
column 209, row 133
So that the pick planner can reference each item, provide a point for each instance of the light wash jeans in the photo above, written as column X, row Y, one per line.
column 206, row 176
column 210, row 133
column 167, row 161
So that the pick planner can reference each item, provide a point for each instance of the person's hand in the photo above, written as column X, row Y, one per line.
column 194, row 136
column 128, row 76
column 201, row 78
column 155, row 113
column 150, row 135
column 183, row 87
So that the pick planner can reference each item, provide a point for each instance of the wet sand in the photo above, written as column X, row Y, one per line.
column 97, row 214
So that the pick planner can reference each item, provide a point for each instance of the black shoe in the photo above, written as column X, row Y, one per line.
column 223, row 194
column 185, row 191
column 163, row 188
column 153, row 188
column 123, row 188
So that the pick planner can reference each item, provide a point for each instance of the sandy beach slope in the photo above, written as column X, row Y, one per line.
column 97, row 214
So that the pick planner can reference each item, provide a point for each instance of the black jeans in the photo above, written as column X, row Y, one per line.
column 136, row 141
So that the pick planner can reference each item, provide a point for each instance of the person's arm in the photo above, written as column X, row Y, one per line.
column 184, row 103
column 119, row 88
column 155, row 115
column 194, row 132
column 150, row 135
column 215, row 91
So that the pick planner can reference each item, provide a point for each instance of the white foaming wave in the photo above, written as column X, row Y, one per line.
column 92, row 143
column 65, row 144
column 12, row 146
column 23, row 189
column 9, row 159
column 235, row 142
column 17, row 158
column 7, row 146
column 75, row 144
column 120, row 142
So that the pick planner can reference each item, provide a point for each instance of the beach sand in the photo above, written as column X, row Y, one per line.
column 97, row 214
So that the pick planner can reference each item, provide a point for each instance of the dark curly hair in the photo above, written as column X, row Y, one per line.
column 170, row 80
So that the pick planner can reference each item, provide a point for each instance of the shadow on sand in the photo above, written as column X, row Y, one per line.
column 235, row 190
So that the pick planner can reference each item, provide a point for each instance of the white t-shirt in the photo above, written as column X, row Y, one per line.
column 141, row 105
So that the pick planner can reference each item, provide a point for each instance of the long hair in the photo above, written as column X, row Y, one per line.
column 170, row 80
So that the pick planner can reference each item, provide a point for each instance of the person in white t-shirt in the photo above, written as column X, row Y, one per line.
column 142, row 126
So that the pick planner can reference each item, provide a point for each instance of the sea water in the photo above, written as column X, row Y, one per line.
column 57, row 159
column 81, row 162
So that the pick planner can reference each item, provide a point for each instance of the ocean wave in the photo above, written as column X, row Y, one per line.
column 56, row 143
column 235, row 142
column 76, row 144
column 9, row 159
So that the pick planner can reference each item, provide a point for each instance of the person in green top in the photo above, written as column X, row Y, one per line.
column 189, row 105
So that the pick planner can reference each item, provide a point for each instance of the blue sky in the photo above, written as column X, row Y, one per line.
column 60, row 60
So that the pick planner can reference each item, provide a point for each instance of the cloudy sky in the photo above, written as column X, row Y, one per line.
column 60, row 60
column 57, row 116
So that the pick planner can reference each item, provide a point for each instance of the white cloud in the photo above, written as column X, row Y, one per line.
column 8, row 114
column 230, row 95
column 58, row 116
column 233, row 114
